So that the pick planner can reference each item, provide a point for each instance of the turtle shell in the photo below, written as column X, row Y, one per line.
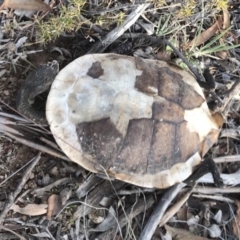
column 141, row 121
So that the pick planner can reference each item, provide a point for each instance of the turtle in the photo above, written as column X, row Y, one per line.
column 142, row 121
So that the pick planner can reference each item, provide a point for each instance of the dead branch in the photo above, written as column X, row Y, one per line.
column 100, row 46
column 159, row 210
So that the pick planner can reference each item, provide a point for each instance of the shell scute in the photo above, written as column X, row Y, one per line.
column 175, row 89
column 101, row 140
column 136, row 144
column 168, row 111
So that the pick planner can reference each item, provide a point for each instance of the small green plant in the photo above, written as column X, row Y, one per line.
column 220, row 4
column 158, row 3
column 120, row 18
column 109, row 19
column 69, row 20
column 187, row 10
column 209, row 48
column 166, row 28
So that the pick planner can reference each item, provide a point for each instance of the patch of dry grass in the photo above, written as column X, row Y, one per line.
column 68, row 20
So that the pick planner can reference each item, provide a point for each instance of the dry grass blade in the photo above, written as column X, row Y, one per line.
column 215, row 197
column 182, row 234
column 11, row 116
column 37, row 146
column 19, row 129
column 40, row 191
column 23, row 181
column 27, row 224
column 4, row 128
column 94, row 197
column 125, row 218
column 207, row 34
column 31, row 5
column 9, row 230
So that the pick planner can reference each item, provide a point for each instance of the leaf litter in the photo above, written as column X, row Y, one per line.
column 63, row 201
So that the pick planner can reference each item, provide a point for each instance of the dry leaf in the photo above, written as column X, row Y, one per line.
column 207, row 34
column 149, row 27
column 165, row 236
column 54, row 205
column 218, row 216
column 178, row 233
column 232, row 179
column 222, row 54
column 32, row 5
column 226, row 19
column 214, row 231
column 182, row 214
column 31, row 209
column 20, row 42
column 236, row 223
column 106, row 202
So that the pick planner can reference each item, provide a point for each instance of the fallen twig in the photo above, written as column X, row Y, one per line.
column 37, row 146
column 100, row 46
column 217, row 198
column 175, row 208
column 40, row 191
column 226, row 159
column 215, row 190
column 158, row 212
column 93, row 26
column 14, row 233
column 27, row 224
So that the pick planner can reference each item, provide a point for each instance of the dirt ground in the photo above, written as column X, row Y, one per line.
column 50, row 197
